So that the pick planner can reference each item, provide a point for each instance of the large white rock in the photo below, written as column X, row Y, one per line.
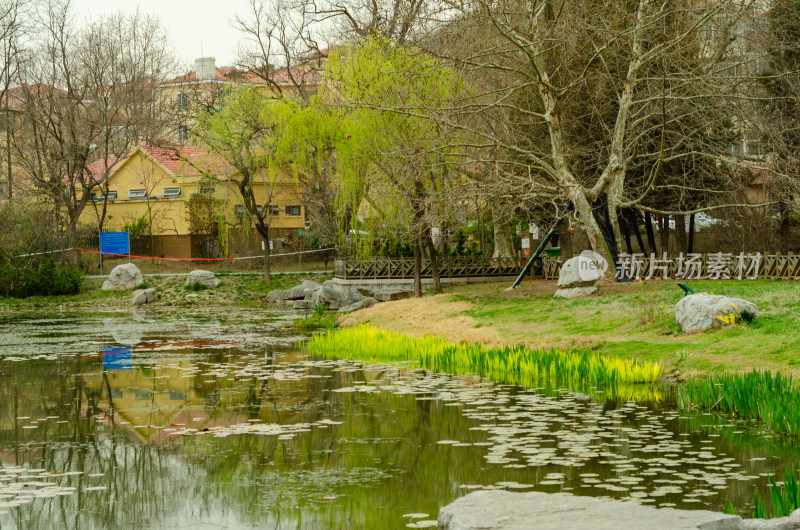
column 202, row 277
column 497, row 509
column 577, row 278
column 702, row 311
column 125, row 276
column 579, row 271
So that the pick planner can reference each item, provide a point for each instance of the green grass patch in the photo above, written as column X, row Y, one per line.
column 514, row 365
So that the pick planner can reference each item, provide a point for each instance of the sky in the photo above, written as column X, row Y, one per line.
column 191, row 24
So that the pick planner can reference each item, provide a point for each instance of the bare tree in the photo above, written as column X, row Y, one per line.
column 573, row 99
column 87, row 101
column 14, row 28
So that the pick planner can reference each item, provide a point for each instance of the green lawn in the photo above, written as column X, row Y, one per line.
column 636, row 321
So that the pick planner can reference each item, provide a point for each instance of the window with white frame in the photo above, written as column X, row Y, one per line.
column 172, row 192
column 275, row 210
column 111, row 195
column 182, row 101
column 292, row 210
column 183, row 133
column 137, row 194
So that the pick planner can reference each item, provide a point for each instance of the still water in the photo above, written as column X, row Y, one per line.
column 173, row 420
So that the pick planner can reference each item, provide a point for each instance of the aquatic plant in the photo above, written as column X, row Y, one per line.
column 785, row 498
column 762, row 396
column 510, row 364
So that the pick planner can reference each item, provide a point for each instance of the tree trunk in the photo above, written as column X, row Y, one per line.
column 417, row 267
column 267, row 274
column 437, row 284
column 503, row 237
column 664, row 233
column 584, row 210
column 680, row 232
column 626, row 233
column 633, row 218
column 690, row 242
column 651, row 237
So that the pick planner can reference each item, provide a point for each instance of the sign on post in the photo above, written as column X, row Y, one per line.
column 114, row 243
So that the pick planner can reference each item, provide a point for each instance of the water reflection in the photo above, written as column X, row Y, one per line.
column 194, row 423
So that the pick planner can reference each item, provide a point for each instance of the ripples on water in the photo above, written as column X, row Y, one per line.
column 168, row 420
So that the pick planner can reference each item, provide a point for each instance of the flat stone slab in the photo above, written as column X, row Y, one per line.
column 498, row 509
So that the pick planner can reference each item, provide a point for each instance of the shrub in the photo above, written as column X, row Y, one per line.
column 38, row 278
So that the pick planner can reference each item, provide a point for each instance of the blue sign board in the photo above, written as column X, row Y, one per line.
column 117, row 358
column 115, row 242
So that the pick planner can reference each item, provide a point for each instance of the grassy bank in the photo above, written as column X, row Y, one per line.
column 514, row 365
column 631, row 321
column 235, row 290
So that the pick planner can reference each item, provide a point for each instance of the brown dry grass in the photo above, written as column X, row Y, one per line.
column 432, row 315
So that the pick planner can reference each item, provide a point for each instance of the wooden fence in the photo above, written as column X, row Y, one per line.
column 403, row 268
column 712, row 265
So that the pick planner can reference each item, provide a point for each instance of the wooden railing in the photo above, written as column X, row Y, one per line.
column 403, row 268
column 713, row 265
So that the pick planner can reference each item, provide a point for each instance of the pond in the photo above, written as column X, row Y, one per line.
column 169, row 419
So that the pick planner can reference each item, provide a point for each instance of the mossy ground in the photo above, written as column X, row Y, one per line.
column 235, row 290
column 634, row 320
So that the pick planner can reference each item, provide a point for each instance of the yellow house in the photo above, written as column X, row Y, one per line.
column 184, row 202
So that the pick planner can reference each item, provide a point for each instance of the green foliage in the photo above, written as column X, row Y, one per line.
column 41, row 277
column 138, row 227
column 197, row 286
column 769, row 399
column 513, row 365
column 397, row 157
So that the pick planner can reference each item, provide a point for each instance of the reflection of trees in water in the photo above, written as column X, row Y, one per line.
column 382, row 462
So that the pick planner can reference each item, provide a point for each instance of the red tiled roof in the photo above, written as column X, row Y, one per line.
column 221, row 73
column 96, row 168
column 16, row 95
column 189, row 161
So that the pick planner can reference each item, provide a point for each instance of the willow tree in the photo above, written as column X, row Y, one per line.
column 394, row 96
column 253, row 132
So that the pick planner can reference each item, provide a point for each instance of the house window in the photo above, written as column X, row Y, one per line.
column 172, row 192
column 208, row 190
column 183, row 133
column 240, row 210
column 182, row 101
column 111, row 195
column 137, row 194
column 292, row 210
column 274, row 210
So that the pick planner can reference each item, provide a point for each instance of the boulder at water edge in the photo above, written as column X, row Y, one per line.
column 577, row 278
column 295, row 293
column 701, row 311
column 125, row 276
column 144, row 296
column 206, row 278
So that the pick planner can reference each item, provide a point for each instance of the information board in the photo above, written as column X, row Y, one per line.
column 115, row 242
